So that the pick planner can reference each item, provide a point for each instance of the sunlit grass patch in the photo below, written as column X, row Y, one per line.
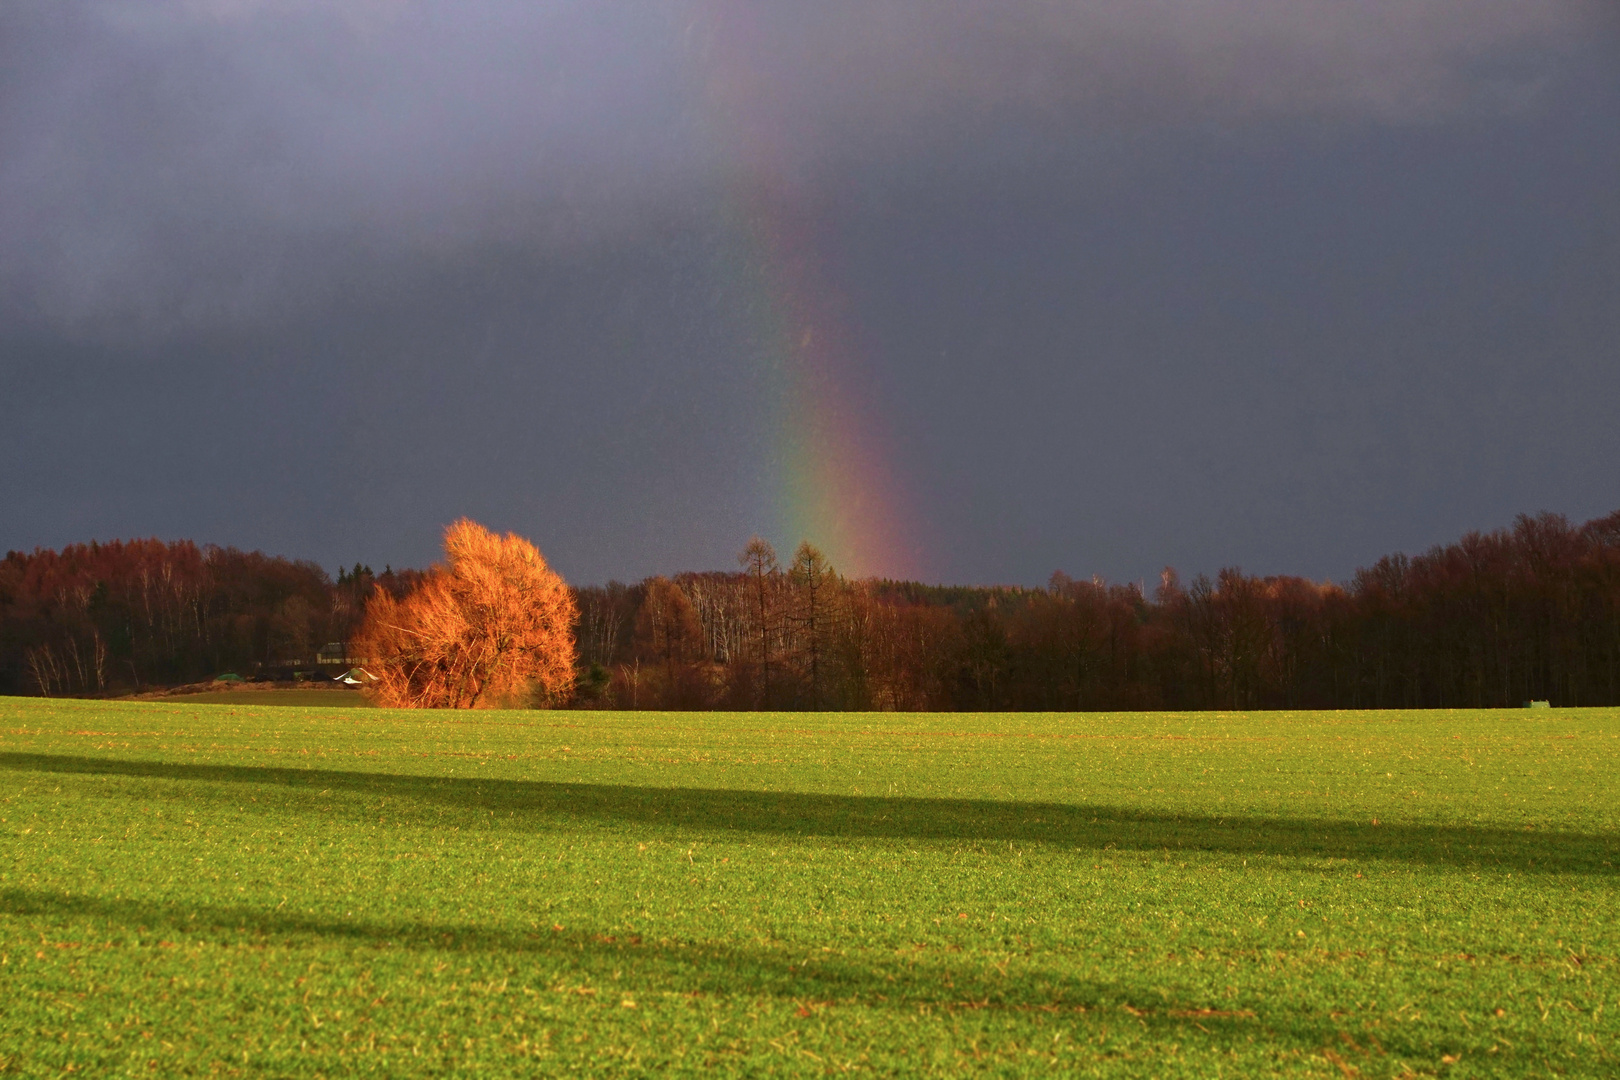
column 279, row 891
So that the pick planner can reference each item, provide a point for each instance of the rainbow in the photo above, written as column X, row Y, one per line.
column 831, row 475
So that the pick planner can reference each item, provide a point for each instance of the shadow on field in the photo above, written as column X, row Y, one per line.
column 531, row 802
column 575, row 962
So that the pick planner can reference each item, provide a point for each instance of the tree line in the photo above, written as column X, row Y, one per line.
column 1492, row 620
column 103, row 618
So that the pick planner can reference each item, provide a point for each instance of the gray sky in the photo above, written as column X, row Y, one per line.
column 1284, row 284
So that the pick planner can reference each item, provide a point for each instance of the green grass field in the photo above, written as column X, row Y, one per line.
column 270, row 891
column 323, row 698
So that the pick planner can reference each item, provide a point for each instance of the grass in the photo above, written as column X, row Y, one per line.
column 323, row 698
column 256, row 890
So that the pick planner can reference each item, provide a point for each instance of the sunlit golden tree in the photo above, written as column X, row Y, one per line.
column 492, row 626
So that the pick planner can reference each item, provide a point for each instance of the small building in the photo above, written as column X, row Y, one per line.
column 334, row 654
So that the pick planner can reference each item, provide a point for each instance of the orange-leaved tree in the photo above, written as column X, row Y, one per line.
column 493, row 626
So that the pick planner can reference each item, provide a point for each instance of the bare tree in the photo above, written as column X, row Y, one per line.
column 668, row 633
column 811, row 575
column 490, row 627
column 42, row 666
column 721, row 602
column 758, row 560
column 605, row 612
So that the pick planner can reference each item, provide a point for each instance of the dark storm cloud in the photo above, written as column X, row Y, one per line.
column 1279, row 282
column 189, row 163
column 183, row 163
column 892, row 63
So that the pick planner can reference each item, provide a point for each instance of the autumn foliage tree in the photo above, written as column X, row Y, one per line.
column 492, row 626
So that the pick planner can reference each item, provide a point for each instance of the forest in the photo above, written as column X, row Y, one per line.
column 1492, row 620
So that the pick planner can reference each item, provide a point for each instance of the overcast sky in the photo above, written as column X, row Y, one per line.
column 1282, row 284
